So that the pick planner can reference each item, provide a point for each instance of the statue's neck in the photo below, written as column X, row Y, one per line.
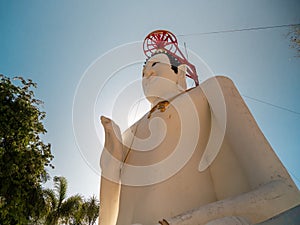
column 166, row 96
column 159, row 89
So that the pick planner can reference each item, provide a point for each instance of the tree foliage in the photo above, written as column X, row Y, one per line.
column 23, row 155
column 91, row 210
column 23, row 161
column 294, row 37
column 73, row 210
column 60, row 208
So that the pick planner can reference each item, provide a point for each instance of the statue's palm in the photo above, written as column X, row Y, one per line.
column 113, row 138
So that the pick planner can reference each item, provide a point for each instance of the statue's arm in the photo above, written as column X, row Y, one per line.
column 110, row 162
column 109, row 202
column 255, row 206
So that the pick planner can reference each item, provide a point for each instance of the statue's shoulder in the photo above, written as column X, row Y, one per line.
column 210, row 83
column 222, row 81
column 213, row 86
column 209, row 86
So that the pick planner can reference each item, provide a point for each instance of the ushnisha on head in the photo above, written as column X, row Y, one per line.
column 163, row 77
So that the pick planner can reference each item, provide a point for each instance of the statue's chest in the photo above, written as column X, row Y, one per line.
column 154, row 137
column 168, row 134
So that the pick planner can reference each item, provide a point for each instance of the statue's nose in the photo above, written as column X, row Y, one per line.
column 148, row 73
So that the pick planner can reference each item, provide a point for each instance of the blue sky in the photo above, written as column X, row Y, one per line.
column 54, row 43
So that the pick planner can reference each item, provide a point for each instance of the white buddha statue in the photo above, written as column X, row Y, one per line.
column 191, row 182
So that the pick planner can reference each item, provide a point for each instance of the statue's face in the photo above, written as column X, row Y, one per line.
column 159, row 65
column 159, row 80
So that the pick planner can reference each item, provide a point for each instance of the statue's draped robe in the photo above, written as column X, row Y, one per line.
column 244, row 163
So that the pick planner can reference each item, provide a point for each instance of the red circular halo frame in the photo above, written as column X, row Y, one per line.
column 167, row 42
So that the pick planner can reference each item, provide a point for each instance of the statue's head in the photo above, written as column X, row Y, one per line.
column 163, row 77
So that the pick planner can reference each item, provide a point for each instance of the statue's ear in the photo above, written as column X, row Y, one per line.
column 181, row 76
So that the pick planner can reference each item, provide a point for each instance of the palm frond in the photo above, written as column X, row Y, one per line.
column 70, row 205
column 92, row 209
column 50, row 198
column 60, row 185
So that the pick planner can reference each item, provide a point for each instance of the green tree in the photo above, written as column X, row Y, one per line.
column 86, row 214
column 23, row 155
column 91, row 210
column 60, row 209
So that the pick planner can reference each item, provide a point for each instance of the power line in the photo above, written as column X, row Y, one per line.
column 240, row 30
column 282, row 108
column 251, row 29
column 273, row 105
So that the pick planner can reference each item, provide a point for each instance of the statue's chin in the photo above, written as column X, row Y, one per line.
column 154, row 99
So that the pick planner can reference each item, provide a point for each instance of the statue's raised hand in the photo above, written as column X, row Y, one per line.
column 112, row 155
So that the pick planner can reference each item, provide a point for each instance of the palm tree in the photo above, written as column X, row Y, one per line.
column 60, row 208
column 91, row 210
column 86, row 214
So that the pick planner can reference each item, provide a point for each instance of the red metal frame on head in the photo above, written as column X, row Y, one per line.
column 166, row 41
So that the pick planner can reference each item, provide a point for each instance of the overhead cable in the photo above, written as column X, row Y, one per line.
column 240, row 30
